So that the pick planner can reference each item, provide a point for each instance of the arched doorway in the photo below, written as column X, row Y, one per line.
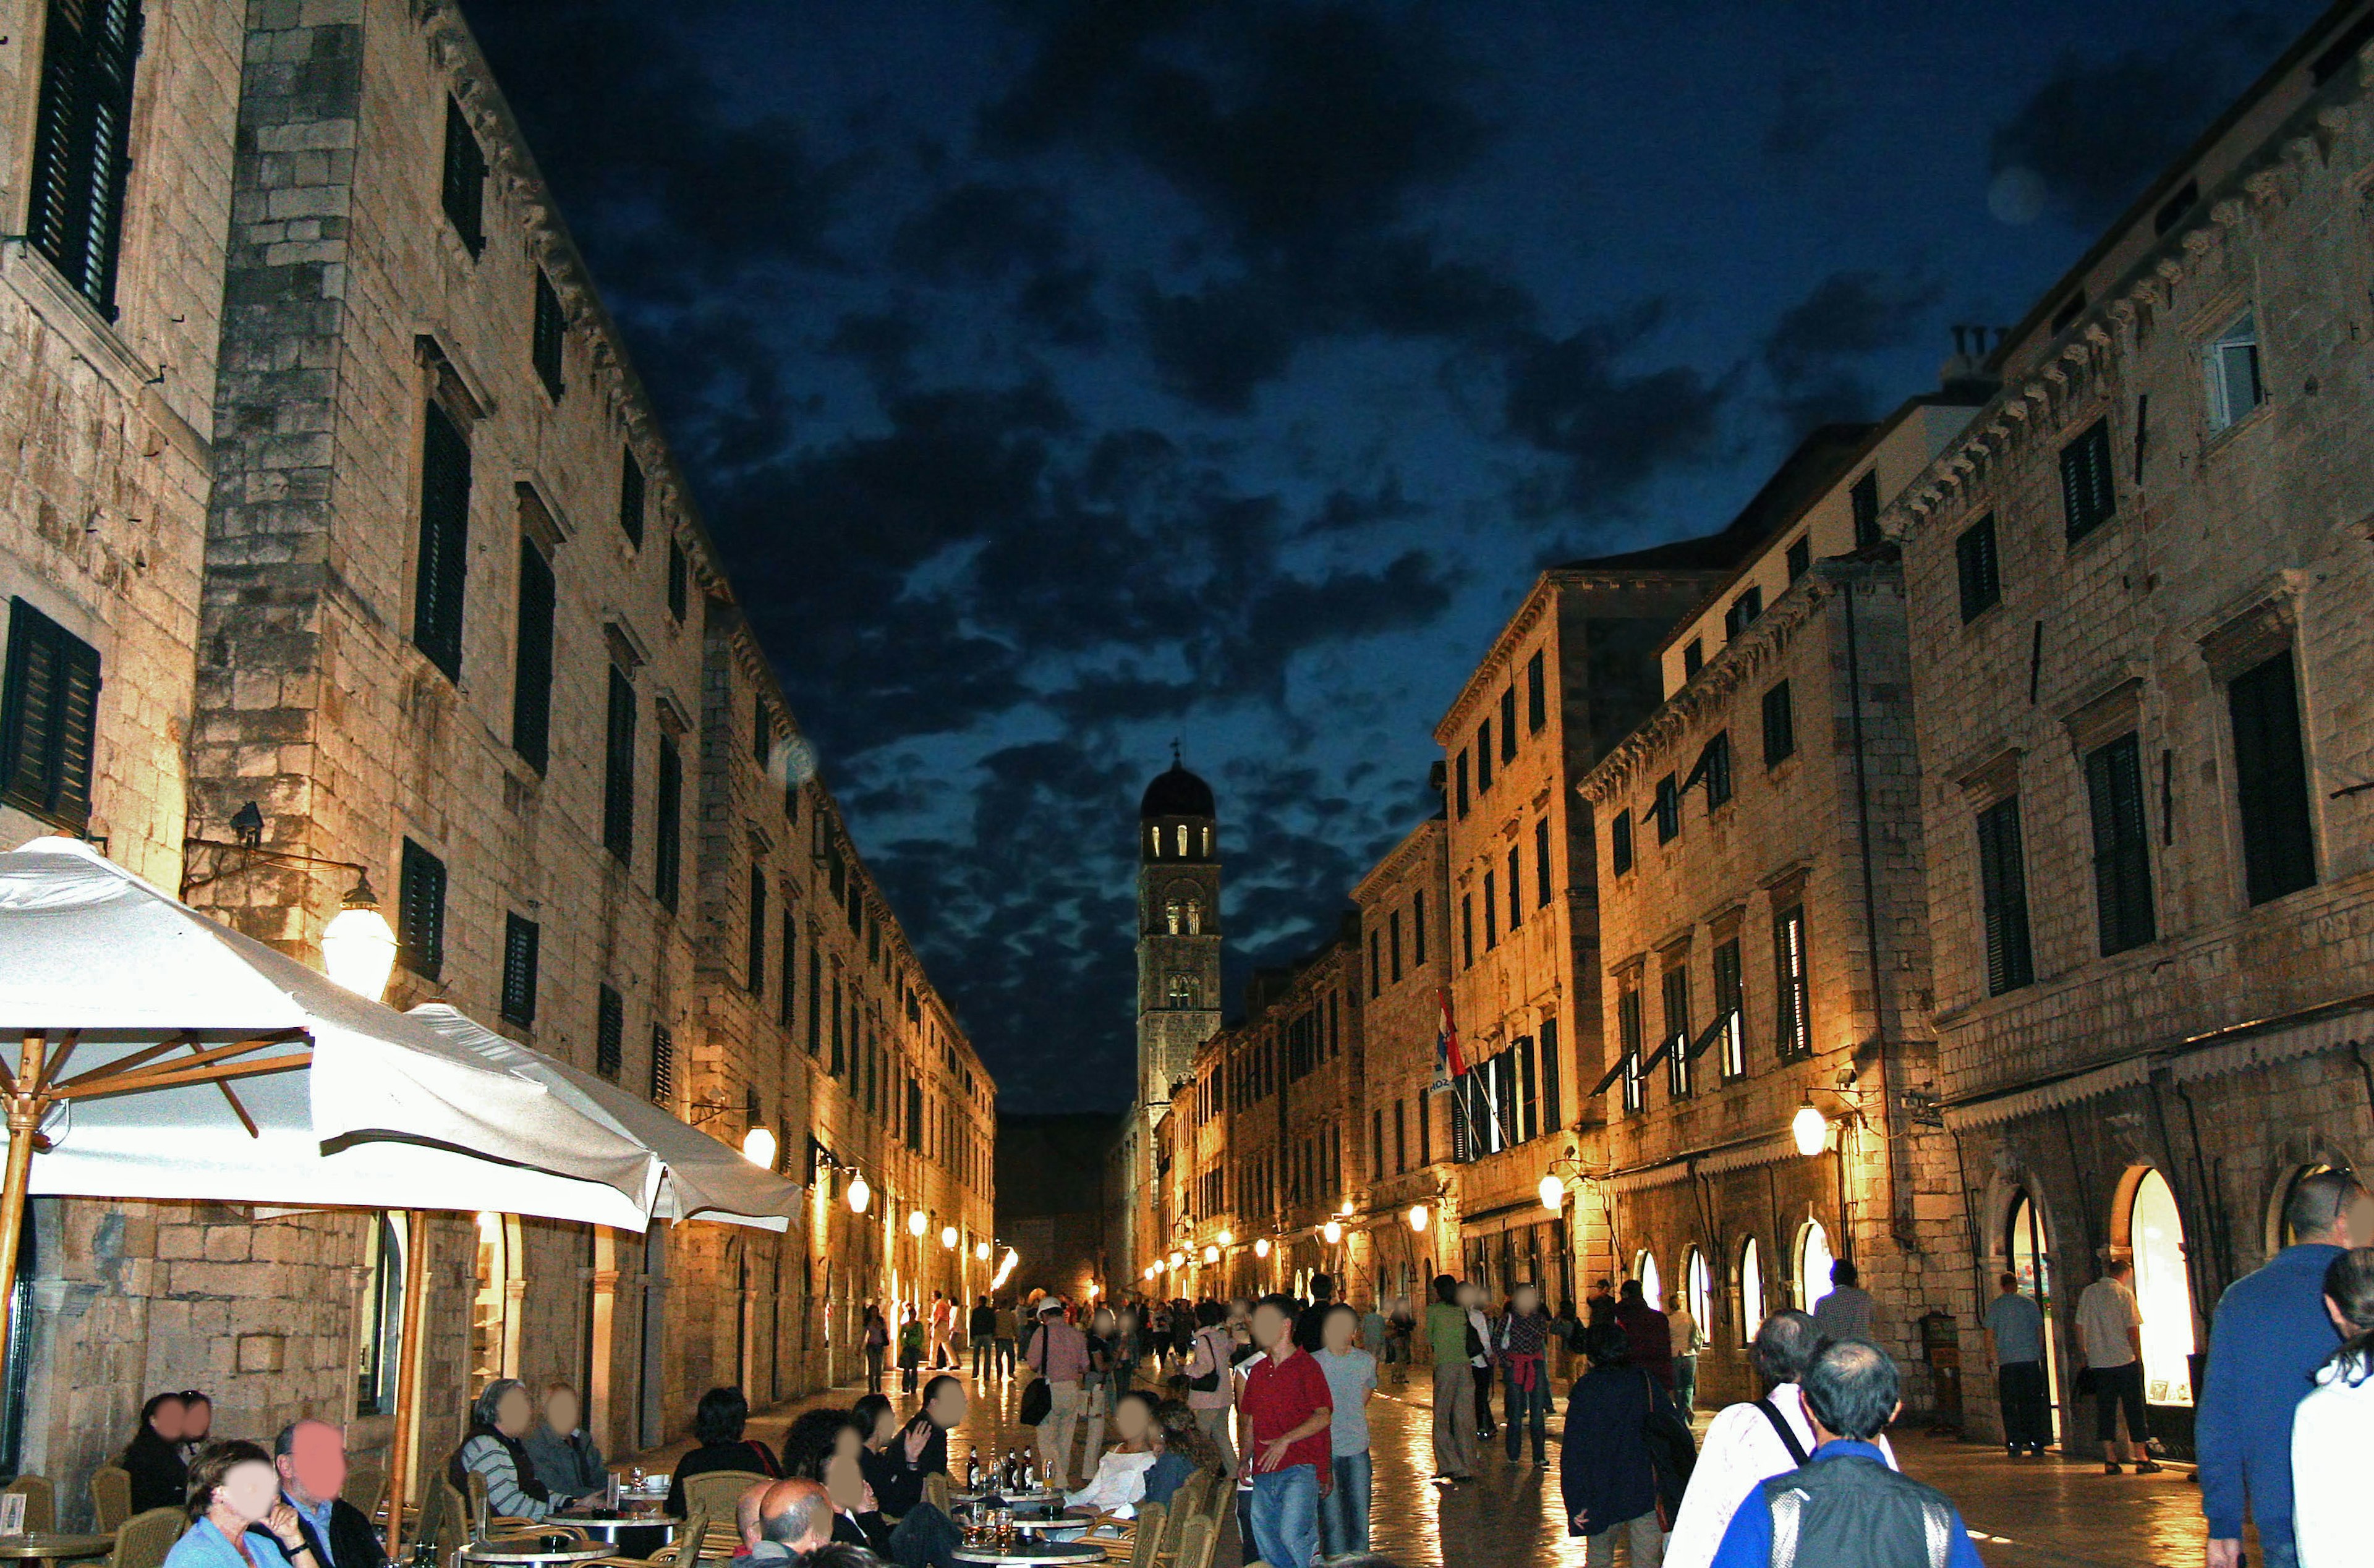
column 2029, row 1248
column 1697, row 1291
column 1653, row 1284
column 1813, row 1264
column 2154, row 1234
column 1751, row 1290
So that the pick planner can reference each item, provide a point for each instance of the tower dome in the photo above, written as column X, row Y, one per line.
column 1175, row 793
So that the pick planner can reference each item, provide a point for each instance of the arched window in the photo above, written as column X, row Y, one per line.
column 2029, row 1248
column 1751, row 1291
column 1699, row 1292
column 1183, row 990
column 1653, row 1284
column 1174, row 915
column 1183, row 838
column 380, row 1322
column 1814, row 1261
column 1207, row 842
column 1154, row 841
column 2163, row 1289
column 1195, row 917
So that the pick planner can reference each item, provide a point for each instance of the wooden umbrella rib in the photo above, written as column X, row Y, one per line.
column 178, row 1073
column 143, row 1076
column 50, row 1069
column 239, row 1110
column 126, row 1063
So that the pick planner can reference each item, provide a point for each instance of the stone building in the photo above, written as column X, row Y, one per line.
column 412, row 593
column 1763, row 928
column 1053, row 1204
column 2140, row 670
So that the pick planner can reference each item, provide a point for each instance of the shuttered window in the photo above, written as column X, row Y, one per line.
column 1676, row 986
column 465, row 186
column 1628, row 1035
column 2271, row 782
column 663, row 1065
column 444, row 566
column 1619, row 843
column 81, row 142
column 667, row 830
column 2123, row 893
column 1508, row 725
column 421, row 912
column 532, row 664
column 755, row 950
column 1483, row 757
column 1537, row 705
column 1799, row 556
column 2003, row 893
column 630, row 498
column 1863, row 499
column 1552, row 1113
column 1742, row 613
column 679, row 581
column 816, row 1000
column 1542, row 861
column 786, row 992
column 1792, row 991
column 520, row 941
column 618, row 769
column 1780, row 725
column 551, row 332
column 1417, row 927
column 1668, row 810
column 609, row 1034
column 1714, row 761
column 49, row 718
column 1731, row 1006
column 1516, row 888
column 1978, row 569
column 2089, row 496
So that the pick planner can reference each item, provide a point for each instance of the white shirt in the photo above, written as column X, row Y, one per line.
column 1741, row 1450
column 1483, row 1335
column 1685, row 1328
column 2105, row 1310
column 1118, row 1485
column 2332, row 1429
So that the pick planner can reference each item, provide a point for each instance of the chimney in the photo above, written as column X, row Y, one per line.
column 1967, row 377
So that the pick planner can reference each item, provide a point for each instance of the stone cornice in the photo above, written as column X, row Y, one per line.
column 1486, row 675
column 1415, row 846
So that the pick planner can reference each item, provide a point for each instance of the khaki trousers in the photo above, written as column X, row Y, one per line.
column 1055, row 1433
column 1454, row 1419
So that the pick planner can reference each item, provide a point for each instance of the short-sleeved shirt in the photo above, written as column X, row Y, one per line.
column 2105, row 1310
column 1349, row 1378
column 1279, row 1395
column 2018, row 1328
column 1446, row 1331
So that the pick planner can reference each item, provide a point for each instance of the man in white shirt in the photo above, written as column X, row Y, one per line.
column 2110, row 1334
column 1686, row 1357
column 1746, row 1445
column 1846, row 1312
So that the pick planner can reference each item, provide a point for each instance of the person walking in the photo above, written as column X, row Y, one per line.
column 1844, row 1508
column 1058, row 1353
column 1684, row 1332
column 1208, row 1394
column 980, row 1329
column 1846, row 1312
column 1479, row 1358
column 1101, row 1333
column 1608, row 1476
column 913, row 1335
column 1446, row 1336
column 1375, row 1334
column 2332, row 1429
column 1650, row 1332
column 1311, row 1319
column 1287, row 1410
column 1523, row 1340
column 2271, row 1333
column 2111, row 1338
column 877, row 1346
column 1749, row 1442
column 1351, row 1381
column 1008, row 1330
column 1401, row 1334
column 1598, row 1307
column 2016, row 1338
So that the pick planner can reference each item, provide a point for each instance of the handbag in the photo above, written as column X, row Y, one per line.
column 1037, row 1402
column 1672, row 1452
column 1207, row 1382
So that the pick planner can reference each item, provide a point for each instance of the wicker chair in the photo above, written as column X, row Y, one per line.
column 716, row 1491
column 143, row 1540
column 445, row 1518
column 366, row 1490
column 1148, row 1534
column 685, row 1551
column 1197, row 1544
column 110, row 1498
column 40, row 1502
column 935, row 1491
column 1192, row 1500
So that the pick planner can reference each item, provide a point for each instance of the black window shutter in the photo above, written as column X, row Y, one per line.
column 81, row 142
column 1542, row 861
column 2003, row 888
column 1780, row 725
column 1552, row 1113
column 444, row 540
column 1620, row 842
column 466, row 178
column 630, row 498
column 1800, row 556
column 786, row 992
column 2089, row 496
column 48, row 718
column 755, row 952
column 421, row 912
column 619, row 770
column 520, row 938
column 609, row 1034
column 1537, row 710
column 2123, row 895
column 1508, row 725
column 2271, row 779
column 1864, row 500
column 816, row 1000
column 667, row 833
column 551, row 332
column 663, row 1065
column 679, row 581
column 532, row 669
column 1977, row 569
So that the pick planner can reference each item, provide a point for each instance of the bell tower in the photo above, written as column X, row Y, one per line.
column 1178, row 932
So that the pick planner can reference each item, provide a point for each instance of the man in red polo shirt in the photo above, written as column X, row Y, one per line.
column 1284, row 1413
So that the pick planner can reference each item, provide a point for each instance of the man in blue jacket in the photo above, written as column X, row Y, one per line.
column 2269, row 1337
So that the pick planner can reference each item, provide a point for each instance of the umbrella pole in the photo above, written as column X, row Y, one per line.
column 26, row 1105
column 407, row 1374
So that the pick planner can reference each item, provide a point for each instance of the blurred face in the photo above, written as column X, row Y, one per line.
column 1527, row 1300
column 2356, row 1227
column 947, row 1408
column 249, row 1490
column 513, row 1412
column 314, row 1469
column 842, row 1477
column 885, row 1422
column 1131, row 1421
column 1270, row 1325
column 198, row 1419
column 560, row 1411
column 1337, row 1332
column 168, row 1420
column 1466, row 1297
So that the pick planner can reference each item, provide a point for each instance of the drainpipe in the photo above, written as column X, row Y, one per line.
column 1900, row 1219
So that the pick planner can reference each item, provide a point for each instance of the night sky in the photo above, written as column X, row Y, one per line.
column 1060, row 379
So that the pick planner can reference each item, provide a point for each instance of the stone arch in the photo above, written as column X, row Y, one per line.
column 2301, row 1152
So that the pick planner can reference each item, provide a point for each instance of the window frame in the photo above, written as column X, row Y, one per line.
column 56, row 784
column 2007, row 957
column 2125, row 913
column 462, row 190
column 2089, row 488
column 1779, row 724
column 522, row 939
column 1977, row 567
column 2219, row 365
column 1793, row 988
column 2277, row 802
column 420, row 890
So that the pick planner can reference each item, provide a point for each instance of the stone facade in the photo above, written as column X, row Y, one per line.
column 510, row 687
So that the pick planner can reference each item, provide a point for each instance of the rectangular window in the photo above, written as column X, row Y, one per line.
column 1542, row 878
column 816, row 1000
column 520, row 941
column 755, row 950
column 667, row 831
column 1467, row 929
column 610, row 1033
column 1376, row 965
column 1401, row 1135
column 1620, row 842
column 444, row 566
column 1527, row 1121
column 1417, row 927
column 532, row 661
column 1864, row 500
column 679, row 581
column 1376, row 1142
column 1628, row 1035
column 1792, row 991
column 2088, row 494
column 1714, row 761
column 1508, row 725
column 1731, row 1005
column 465, row 185
column 1483, row 757
column 630, row 498
column 1978, row 569
column 839, row 1038
column 762, row 731
column 1538, row 700
column 551, row 332
column 1460, row 770
column 2270, row 781
column 1516, row 896
column 1393, row 943
column 48, row 718
column 787, row 1014
column 1668, row 810
column 1677, row 1032
column 1552, row 1113
column 421, row 912
column 2122, row 894
column 1780, row 725
column 1693, row 657
column 1425, row 1131
column 618, row 769
column 1800, row 556
column 2002, row 891
column 2230, row 366
column 663, row 1065
column 81, row 143
column 1492, row 915
column 1742, row 613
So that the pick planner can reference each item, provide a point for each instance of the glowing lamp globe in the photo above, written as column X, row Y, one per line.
column 1417, row 1217
column 1261, row 1247
column 949, row 1237
column 859, row 1194
column 980, row 1250
column 1211, row 1253
column 358, row 947
column 1552, row 1193
column 1332, row 1231
column 758, row 1148
column 1177, row 1260
column 1810, row 1128
column 916, row 1223
column 1227, row 1238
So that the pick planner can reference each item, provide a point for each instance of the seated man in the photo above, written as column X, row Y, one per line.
column 1844, row 1508
column 312, row 1458
column 795, row 1519
column 921, row 1449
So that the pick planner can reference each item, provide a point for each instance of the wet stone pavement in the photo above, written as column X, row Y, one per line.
column 2029, row 1513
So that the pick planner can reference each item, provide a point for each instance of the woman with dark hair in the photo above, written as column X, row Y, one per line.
column 717, row 1424
column 233, row 1487
column 877, row 1344
column 161, row 1478
column 2332, row 1429
column 1608, row 1473
column 823, row 1446
column 1181, row 1448
column 197, row 1423
column 496, row 1449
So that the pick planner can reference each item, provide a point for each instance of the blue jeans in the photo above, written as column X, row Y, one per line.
column 1344, row 1513
column 1286, row 1515
column 1533, row 1403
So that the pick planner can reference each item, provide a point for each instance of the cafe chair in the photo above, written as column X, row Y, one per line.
column 445, row 1518
column 685, row 1551
column 143, row 1540
column 1148, row 1534
column 1197, row 1542
column 110, row 1498
column 716, row 1491
column 935, row 1491
column 40, row 1502
column 366, row 1490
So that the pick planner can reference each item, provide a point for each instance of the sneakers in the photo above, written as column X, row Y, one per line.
column 2148, row 1467
column 2110, row 1468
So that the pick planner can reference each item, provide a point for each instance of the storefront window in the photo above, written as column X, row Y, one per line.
column 1700, row 1292
column 1814, row 1262
column 1653, row 1284
column 1751, row 1291
column 379, row 1324
column 2163, row 1289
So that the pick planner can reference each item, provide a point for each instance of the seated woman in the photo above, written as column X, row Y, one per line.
column 822, row 1446
column 161, row 1478
column 717, row 1424
column 1119, row 1480
column 1182, row 1446
column 565, row 1458
column 233, row 1487
column 494, row 1449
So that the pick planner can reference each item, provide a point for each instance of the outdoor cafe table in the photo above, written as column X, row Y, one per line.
column 531, row 1548
column 1026, row 1552
column 630, row 1535
column 54, row 1546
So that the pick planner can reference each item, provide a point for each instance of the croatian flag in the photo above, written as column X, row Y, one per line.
column 1447, row 1061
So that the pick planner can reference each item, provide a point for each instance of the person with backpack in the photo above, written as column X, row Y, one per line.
column 1845, row 1508
column 1208, row 1394
column 1616, row 1463
column 1747, row 1443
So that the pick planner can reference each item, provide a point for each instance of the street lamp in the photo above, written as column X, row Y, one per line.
column 758, row 1148
column 1261, row 1247
column 1178, row 1258
column 1211, row 1253
column 1810, row 1128
column 859, row 1194
column 1552, row 1192
column 1227, row 1238
column 980, row 1250
column 949, row 1237
column 358, row 947
column 916, row 1223
column 1332, row 1231
column 1417, row 1218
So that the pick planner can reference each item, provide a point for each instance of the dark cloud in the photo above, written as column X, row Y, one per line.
column 1809, row 115
column 883, row 340
column 1612, row 429
column 1818, row 353
column 983, row 229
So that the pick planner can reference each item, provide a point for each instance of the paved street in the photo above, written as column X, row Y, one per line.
column 2032, row 1514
